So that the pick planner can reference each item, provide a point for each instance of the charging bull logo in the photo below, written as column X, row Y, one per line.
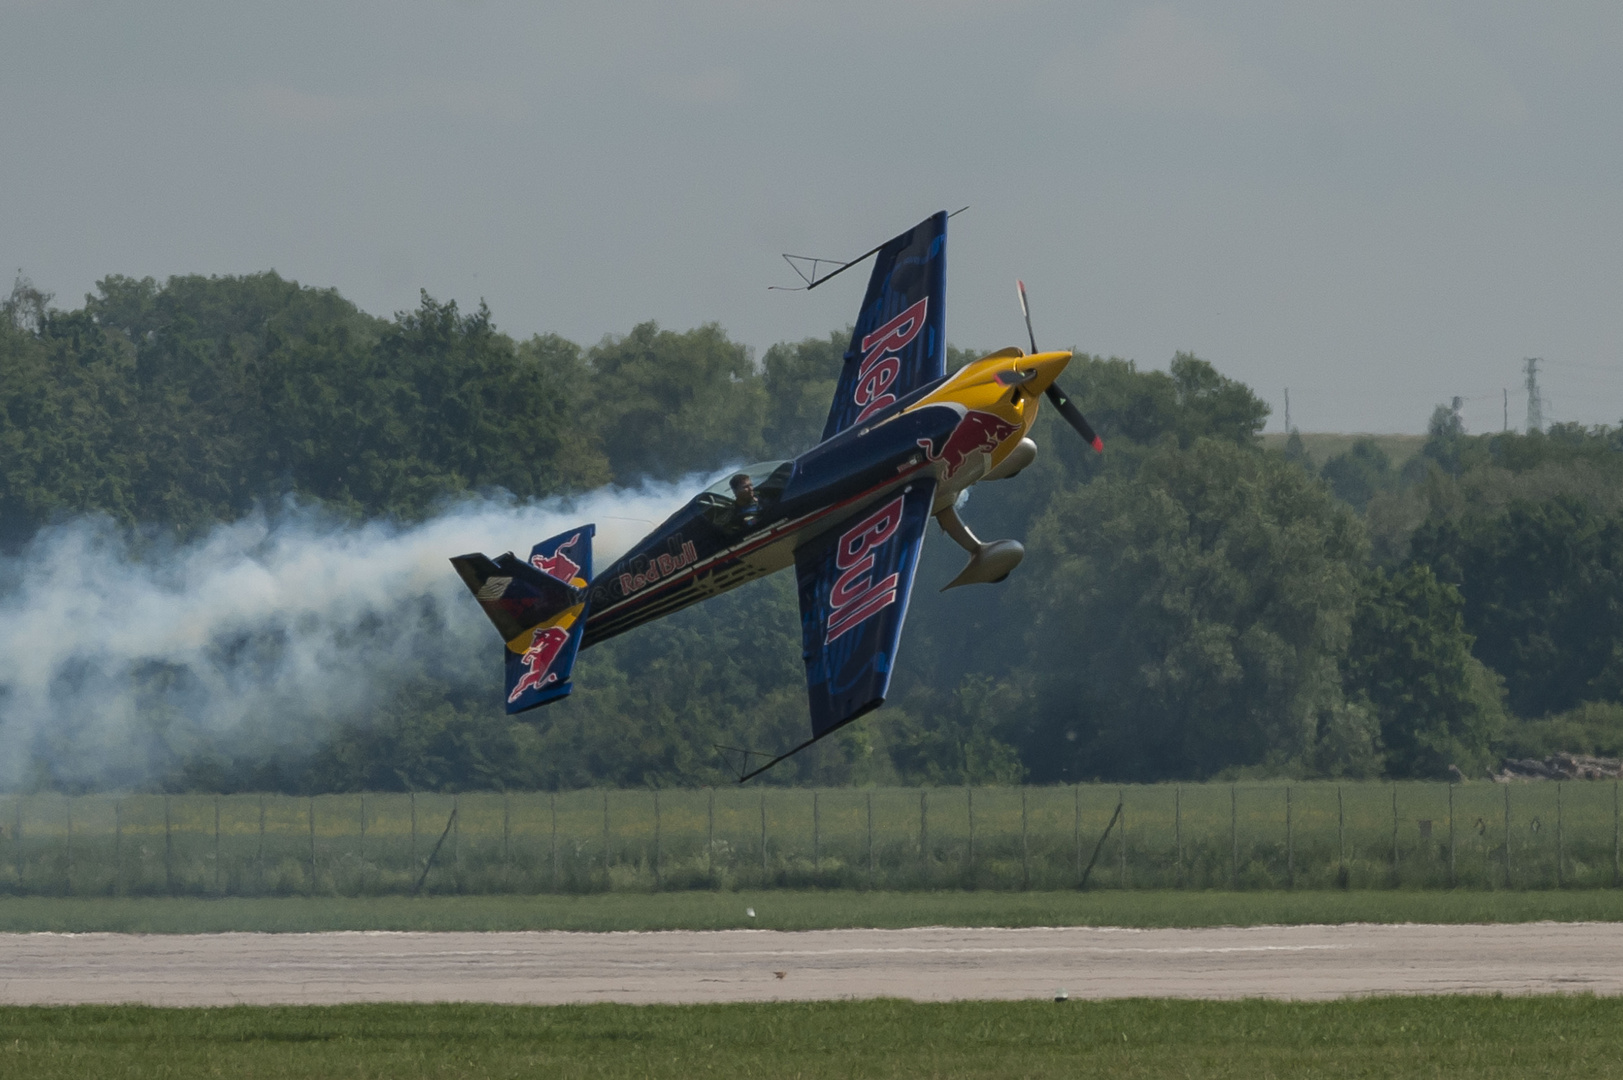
column 537, row 659
column 880, row 365
column 977, row 433
column 559, row 565
column 856, row 597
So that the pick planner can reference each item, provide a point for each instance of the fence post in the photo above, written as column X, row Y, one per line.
column 1290, row 850
column 816, row 835
column 605, row 832
column 1234, row 836
column 1507, row 837
column 168, row 850
column 1451, row 880
column 552, row 853
column 412, row 798
column 870, row 840
column 1560, row 846
column 360, row 886
column 969, row 794
column 1617, row 848
column 260, row 858
column 1341, row 838
column 311, row 813
column 118, row 845
column 1177, row 833
column 1121, row 801
column 17, row 841
column 1025, row 847
column 763, row 835
column 656, row 838
column 68, row 843
column 924, row 833
column 710, row 842
column 507, row 841
column 1394, row 833
column 456, row 842
column 216, row 845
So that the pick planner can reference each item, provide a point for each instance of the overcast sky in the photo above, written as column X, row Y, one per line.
column 1377, row 205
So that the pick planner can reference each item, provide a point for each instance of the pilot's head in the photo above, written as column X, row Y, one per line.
column 743, row 489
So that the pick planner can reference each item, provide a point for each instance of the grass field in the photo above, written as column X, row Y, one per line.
column 798, row 910
column 1253, row 835
column 1480, row 1038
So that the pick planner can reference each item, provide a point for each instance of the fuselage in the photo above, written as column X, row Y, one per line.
column 961, row 428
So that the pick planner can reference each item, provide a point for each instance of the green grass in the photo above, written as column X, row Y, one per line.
column 790, row 910
column 1254, row 835
column 1481, row 1038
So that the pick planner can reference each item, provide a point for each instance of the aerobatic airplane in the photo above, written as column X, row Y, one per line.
column 903, row 441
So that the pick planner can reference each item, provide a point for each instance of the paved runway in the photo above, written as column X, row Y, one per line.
column 929, row 964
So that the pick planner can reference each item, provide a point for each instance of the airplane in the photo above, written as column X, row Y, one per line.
column 903, row 441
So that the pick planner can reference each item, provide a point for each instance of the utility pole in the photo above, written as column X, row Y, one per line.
column 1535, row 403
column 1507, row 408
column 1287, row 410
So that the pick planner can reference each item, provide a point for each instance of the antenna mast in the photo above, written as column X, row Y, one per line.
column 1535, row 403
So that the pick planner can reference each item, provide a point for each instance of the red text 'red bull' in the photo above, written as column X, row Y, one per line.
column 856, row 597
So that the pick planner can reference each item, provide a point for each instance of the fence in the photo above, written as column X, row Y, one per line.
column 1245, row 836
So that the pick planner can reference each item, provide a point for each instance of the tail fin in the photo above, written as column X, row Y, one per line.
column 539, row 608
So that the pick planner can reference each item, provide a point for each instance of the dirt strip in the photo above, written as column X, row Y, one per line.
column 928, row 964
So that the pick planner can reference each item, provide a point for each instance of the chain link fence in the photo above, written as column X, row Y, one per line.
column 1193, row 836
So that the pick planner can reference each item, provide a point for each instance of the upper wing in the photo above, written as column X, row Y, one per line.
column 854, row 584
column 899, row 343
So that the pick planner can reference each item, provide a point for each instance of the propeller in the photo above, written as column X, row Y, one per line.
column 1061, row 400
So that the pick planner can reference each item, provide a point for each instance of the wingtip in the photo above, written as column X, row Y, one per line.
column 1098, row 445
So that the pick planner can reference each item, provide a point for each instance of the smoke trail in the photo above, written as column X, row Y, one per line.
column 265, row 633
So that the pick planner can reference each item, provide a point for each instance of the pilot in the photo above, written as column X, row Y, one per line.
column 746, row 507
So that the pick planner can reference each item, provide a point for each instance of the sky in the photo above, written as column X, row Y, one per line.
column 1378, row 205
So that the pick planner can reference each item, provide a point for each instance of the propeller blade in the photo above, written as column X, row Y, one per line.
column 1074, row 417
column 1025, row 310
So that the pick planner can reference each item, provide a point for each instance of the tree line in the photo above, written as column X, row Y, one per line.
column 1192, row 605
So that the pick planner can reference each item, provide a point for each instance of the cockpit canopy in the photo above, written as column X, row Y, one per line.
column 719, row 505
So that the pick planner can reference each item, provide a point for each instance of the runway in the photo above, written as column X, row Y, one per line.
column 928, row 964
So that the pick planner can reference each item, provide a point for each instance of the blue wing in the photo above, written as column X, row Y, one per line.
column 854, row 584
column 899, row 343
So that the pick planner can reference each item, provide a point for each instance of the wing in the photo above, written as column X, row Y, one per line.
column 854, row 584
column 899, row 343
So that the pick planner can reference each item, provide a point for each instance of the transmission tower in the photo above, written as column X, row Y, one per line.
column 1535, row 404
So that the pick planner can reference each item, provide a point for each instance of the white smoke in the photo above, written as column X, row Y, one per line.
column 266, row 632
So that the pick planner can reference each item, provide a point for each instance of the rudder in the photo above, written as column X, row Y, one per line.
column 539, row 607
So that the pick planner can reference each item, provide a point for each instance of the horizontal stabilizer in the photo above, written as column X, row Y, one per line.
column 514, row 595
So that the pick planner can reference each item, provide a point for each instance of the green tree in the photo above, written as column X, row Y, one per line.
column 669, row 404
column 1410, row 659
column 1189, row 620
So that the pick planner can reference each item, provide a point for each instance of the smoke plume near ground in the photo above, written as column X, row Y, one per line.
column 116, row 658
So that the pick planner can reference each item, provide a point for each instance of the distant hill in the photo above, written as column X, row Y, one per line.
column 1322, row 446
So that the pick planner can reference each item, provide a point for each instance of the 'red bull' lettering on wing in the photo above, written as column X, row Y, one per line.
column 977, row 433
column 880, row 364
column 898, row 343
column 559, row 565
column 544, row 648
column 856, row 597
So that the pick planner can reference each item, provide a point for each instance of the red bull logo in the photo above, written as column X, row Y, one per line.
column 856, row 597
column 977, row 433
column 660, row 566
column 544, row 648
column 558, row 564
column 879, row 364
